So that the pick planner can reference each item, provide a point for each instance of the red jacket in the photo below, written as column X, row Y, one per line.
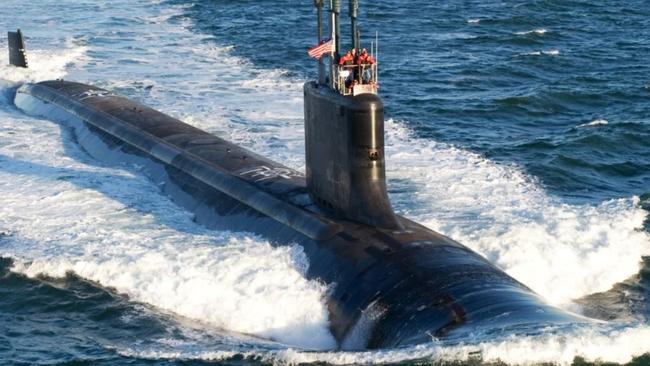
column 346, row 60
column 366, row 59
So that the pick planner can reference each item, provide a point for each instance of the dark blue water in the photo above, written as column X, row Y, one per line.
column 558, row 89
column 477, row 74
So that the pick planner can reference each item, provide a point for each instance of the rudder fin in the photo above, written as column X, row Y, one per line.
column 17, row 55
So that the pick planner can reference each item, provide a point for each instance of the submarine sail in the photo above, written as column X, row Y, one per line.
column 344, row 137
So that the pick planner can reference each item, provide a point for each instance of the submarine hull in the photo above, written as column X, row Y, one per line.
column 388, row 288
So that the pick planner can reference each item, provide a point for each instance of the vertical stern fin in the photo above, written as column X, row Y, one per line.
column 17, row 55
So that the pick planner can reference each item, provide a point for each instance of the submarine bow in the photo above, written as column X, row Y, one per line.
column 392, row 281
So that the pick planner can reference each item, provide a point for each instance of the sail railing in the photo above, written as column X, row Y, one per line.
column 356, row 79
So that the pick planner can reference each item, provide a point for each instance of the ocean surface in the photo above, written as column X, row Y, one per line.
column 519, row 128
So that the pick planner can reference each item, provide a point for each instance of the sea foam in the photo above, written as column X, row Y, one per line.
column 69, row 213
column 562, row 251
column 618, row 345
column 539, row 32
column 595, row 123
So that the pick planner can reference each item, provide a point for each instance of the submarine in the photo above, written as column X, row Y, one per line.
column 392, row 282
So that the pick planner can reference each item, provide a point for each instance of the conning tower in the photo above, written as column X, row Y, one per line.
column 344, row 129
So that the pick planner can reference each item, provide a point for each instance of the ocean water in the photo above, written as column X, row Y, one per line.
column 521, row 129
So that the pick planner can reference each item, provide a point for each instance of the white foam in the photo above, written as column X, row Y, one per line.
column 594, row 345
column 222, row 93
column 616, row 346
column 562, row 251
column 595, row 123
column 43, row 64
column 539, row 32
column 473, row 21
column 540, row 53
column 66, row 212
column 230, row 281
column 113, row 227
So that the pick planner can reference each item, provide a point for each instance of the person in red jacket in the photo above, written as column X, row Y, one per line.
column 365, row 58
column 364, row 61
column 347, row 59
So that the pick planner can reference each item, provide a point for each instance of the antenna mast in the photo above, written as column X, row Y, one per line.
column 321, row 66
column 354, row 13
column 335, row 10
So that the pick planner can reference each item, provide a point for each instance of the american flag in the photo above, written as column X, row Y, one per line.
column 318, row 51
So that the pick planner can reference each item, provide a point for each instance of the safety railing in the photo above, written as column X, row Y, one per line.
column 355, row 79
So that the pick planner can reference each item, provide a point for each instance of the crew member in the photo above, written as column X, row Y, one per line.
column 365, row 58
column 347, row 59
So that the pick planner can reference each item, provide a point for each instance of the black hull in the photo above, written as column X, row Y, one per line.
column 388, row 287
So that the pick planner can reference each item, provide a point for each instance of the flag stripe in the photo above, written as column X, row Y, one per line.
column 321, row 49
